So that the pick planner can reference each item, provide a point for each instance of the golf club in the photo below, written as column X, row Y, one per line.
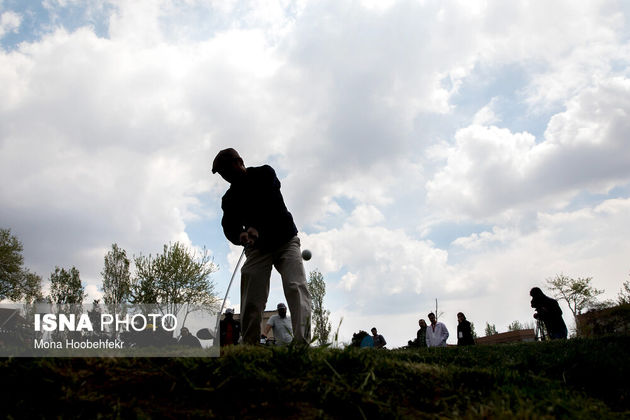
column 216, row 328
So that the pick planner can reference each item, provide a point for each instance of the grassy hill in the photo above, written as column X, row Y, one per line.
column 571, row 379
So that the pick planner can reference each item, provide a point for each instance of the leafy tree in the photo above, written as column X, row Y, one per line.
column 518, row 326
column 515, row 326
column 66, row 287
column 11, row 261
column 116, row 281
column 578, row 293
column 599, row 305
column 472, row 330
column 317, row 289
column 174, row 280
column 16, row 282
column 144, row 284
column 116, row 277
column 491, row 329
column 66, row 293
column 32, row 288
column 624, row 294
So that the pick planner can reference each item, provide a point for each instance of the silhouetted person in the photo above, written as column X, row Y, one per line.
column 549, row 313
column 230, row 329
column 255, row 216
column 361, row 339
column 421, row 335
column 187, row 339
column 464, row 331
column 379, row 340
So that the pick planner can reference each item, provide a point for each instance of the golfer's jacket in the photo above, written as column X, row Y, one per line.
column 256, row 201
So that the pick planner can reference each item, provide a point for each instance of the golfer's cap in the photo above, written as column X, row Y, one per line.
column 223, row 158
column 229, row 311
column 282, row 306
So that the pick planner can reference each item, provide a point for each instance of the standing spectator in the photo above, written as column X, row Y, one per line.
column 464, row 331
column 230, row 329
column 421, row 335
column 548, row 311
column 379, row 340
column 281, row 324
column 436, row 333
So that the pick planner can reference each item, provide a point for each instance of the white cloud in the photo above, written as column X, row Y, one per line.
column 366, row 216
column 100, row 141
column 483, row 171
column 138, row 23
column 93, row 293
column 485, row 239
column 491, row 170
column 486, row 115
column 348, row 281
column 376, row 263
column 9, row 22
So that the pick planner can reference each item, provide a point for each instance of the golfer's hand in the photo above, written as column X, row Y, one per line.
column 248, row 238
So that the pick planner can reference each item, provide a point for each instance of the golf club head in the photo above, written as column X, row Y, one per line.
column 204, row 334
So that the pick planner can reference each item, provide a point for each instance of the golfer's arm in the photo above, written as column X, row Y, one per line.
column 232, row 228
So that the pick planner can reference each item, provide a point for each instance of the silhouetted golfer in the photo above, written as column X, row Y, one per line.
column 254, row 215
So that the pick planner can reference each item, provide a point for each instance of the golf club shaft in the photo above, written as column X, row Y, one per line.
column 216, row 328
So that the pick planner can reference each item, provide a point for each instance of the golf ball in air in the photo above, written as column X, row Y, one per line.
column 306, row 254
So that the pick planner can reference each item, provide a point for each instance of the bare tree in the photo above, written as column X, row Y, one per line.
column 437, row 313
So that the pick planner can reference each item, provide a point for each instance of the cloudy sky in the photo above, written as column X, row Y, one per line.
column 463, row 151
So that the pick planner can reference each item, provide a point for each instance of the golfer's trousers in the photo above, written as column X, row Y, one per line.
column 255, row 277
